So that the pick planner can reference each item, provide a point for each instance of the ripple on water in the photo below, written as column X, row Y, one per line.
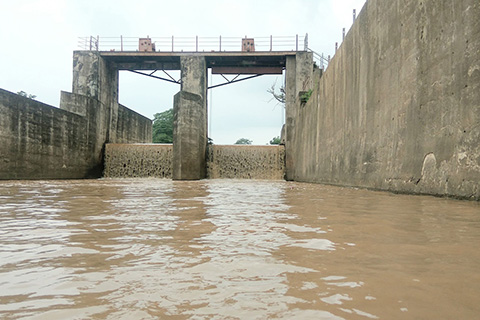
column 226, row 249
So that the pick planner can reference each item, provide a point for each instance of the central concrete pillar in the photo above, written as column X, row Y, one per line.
column 190, row 121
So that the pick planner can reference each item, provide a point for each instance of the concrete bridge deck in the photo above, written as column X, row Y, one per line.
column 260, row 60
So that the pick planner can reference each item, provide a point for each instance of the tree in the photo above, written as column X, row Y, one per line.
column 275, row 140
column 26, row 95
column 162, row 128
column 243, row 141
column 280, row 95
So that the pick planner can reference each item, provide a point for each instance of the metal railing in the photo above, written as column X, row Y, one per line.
column 320, row 60
column 194, row 44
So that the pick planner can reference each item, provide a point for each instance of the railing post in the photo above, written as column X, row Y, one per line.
column 296, row 43
column 196, row 44
column 172, row 43
column 343, row 34
column 121, row 43
column 305, row 42
column 354, row 15
column 220, row 43
column 271, row 43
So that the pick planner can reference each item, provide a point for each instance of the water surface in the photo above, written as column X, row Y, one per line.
column 230, row 249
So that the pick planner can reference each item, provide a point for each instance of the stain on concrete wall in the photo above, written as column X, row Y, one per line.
column 399, row 106
column 246, row 162
column 138, row 160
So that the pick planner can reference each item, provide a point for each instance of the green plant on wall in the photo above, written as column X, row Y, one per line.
column 305, row 95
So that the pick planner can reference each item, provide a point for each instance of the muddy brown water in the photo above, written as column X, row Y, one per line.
column 231, row 249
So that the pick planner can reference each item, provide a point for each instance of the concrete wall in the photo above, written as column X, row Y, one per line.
column 399, row 106
column 132, row 127
column 223, row 162
column 138, row 160
column 39, row 141
column 42, row 142
column 246, row 162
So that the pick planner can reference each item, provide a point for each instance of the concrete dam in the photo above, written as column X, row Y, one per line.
column 397, row 109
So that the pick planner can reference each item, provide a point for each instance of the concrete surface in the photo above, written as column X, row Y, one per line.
column 190, row 121
column 298, row 78
column 246, row 162
column 189, row 137
column 39, row 141
column 223, row 162
column 138, row 160
column 398, row 108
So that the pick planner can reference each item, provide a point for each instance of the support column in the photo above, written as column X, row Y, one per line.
column 299, row 69
column 190, row 121
column 96, row 78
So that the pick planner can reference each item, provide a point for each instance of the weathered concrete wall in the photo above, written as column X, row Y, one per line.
column 96, row 129
column 138, row 160
column 132, row 127
column 223, row 162
column 42, row 142
column 399, row 106
column 39, row 141
column 246, row 162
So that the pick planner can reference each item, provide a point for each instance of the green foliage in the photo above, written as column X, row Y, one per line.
column 305, row 96
column 26, row 95
column 162, row 129
column 243, row 141
column 275, row 140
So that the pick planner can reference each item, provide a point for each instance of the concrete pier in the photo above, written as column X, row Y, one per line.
column 189, row 137
column 190, row 121
column 299, row 69
column 97, row 78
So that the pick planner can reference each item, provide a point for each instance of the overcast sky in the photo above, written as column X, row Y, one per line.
column 38, row 37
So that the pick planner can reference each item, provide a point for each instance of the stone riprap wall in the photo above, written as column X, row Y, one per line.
column 132, row 127
column 399, row 106
column 38, row 141
column 138, row 160
column 223, row 162
column 246, row 162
